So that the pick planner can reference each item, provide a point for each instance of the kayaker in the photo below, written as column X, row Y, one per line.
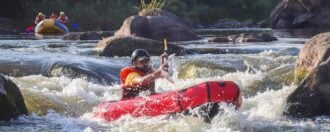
column 140, row 76
column 39, row 18
column 63, row 18
column 53, row 16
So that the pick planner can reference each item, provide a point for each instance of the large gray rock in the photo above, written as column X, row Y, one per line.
column 161, row 27
column 312, row 97
column 11, row 100
column 125, row 45
column 316, row 50
column 157, row 25
column 134, row 26
column 292, row 14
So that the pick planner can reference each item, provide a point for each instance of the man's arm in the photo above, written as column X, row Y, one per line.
column 147, row 79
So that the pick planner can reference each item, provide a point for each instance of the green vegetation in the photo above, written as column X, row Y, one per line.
column 153, row 5
column 109, row 14
column 300, row 74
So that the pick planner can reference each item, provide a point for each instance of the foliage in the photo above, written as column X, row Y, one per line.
column 109, row 14
column 153, row 5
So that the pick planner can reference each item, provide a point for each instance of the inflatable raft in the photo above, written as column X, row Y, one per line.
column 171, row 102
column 51, row 27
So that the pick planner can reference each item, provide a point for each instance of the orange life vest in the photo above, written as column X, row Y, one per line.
column 132, row 91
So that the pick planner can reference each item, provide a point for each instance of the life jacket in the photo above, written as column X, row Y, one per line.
column 129, row 92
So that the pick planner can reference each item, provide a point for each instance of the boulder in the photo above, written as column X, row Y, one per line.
column 293, row 14
column 161, row 27
column 134, row 26
column 146, row 13
column 11, row 100
column 90, row 35
column 125, row 45
column 311, row 98
column 157, row 24
column 316, row 50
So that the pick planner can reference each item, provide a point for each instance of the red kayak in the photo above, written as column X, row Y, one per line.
column 171, row 102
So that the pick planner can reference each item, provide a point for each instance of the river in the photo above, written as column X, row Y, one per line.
column 62, row 80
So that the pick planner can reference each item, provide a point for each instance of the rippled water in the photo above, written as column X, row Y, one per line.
column 60, row 102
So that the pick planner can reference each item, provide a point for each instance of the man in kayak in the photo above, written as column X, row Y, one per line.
column 63, row 18
column 39, row 18
column 140, row 76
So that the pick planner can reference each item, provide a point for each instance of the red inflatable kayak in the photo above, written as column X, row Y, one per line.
column 171, row 102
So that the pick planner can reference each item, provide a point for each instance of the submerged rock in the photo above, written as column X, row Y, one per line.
column 11, row 100
column 242, row 38
column 97, row 73
column 92, row 70
column 201, row 69
column 87, row 35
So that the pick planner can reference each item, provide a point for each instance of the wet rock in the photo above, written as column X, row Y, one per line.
column 311, row 98
column 157, row 25
column 316, row 50
column 11, row 100
column 91, row 35
column 125, row 45
column 293, row 14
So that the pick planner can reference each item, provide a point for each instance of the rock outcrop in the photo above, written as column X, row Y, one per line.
column 293, row 14
column 311, row 98
column 312, row 72
column 11, row 100
column 316, row 50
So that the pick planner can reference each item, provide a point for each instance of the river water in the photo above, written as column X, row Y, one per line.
column 62, row 81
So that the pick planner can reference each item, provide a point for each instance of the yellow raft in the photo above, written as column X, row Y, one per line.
column 51, row 27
